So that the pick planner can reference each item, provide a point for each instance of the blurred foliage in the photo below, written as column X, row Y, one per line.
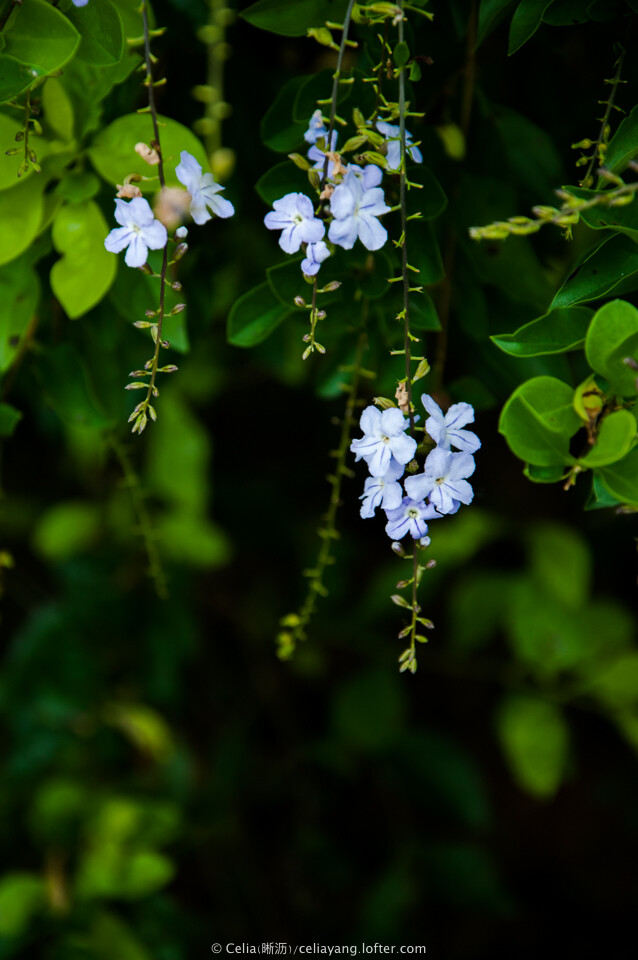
column 166, row 782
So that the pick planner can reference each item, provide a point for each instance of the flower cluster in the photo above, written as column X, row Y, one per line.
column 355, row 198
column 140, row 231
column 442, row 486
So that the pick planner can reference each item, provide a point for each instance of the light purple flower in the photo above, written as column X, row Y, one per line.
column 139, row 231
column 203, row 190
column 316, row 253
column 319, row 156
column 409, row 517
column 355, row 210
column 79, row 3
column 443, row 480
column 446, row 431
column 392, row 134
column 316, row 129
column 384, row 438
column 382, row 491
column 295, row 217
column 370, row 175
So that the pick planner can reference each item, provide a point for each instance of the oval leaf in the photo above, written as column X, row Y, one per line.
column 612, row 338
column 539, row 420
column 254, row 316
column 558, row 331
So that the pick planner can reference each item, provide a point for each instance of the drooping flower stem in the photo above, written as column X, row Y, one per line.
column 145, row 523
column 144, row 409
column 294, row 624
column 335, row 88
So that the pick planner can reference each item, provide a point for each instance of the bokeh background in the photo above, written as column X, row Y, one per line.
column 166, row 781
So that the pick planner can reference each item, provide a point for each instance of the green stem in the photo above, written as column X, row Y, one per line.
column 145, row 524
column 335, row 89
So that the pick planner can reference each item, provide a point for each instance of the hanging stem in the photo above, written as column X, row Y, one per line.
column 139, row 415
column 335, row 89
column 145, row 523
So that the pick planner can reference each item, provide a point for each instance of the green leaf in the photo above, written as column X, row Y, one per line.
column 617, row 685
column 9, row 418
column 423, row 313
column 22, row 895
column 560, row 563
column 558, row 331
column 66, row 529
column 539, row 420
column 113, row 151
column 107, row 936
column 19, row 295
column 85, row 272
column 565, row 13
column 431, row 200
column 279, row 130
column 133, row 293
column 424, row 254
column 613, row 262
column 39, row 40
column 525, row 22
column 613, row 337
column 600, row 497
column 490, row 13
column 254, row 316
column 57, row 110
column 615, row 438
column 294, row 19
column 543, row 474
column 78, row 185
column 100, row 27
column 535, row 740
column 621, row 478
column 623, row 146
column 21, row 210
column 65, row 387
column 624, row 218
column 280, row 179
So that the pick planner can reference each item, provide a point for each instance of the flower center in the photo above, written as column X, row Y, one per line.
column 413, row 513
column 385, row 439
column 297, row 219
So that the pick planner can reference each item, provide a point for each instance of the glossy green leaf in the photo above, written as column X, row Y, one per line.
column 621, row 478
column 100, row 29
column 39, row 40
column 293, row 19
column 490, row 13
column 85, row 272
column 543, row 474
column 600, row 497
column 57, row 110
column 78, row 185
column 613, row 337
column 527, row 18
column 254, row 316
column 622, row 218
column 9, row 419
column 538, row 421
column 616, row 436
column 19, row 295
column 64, row 383
column 22, row 895
column 113, row 151
column 21, row 211
column 613, row 262
column 623, row 146
column 535, row 740
column 558, row 331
